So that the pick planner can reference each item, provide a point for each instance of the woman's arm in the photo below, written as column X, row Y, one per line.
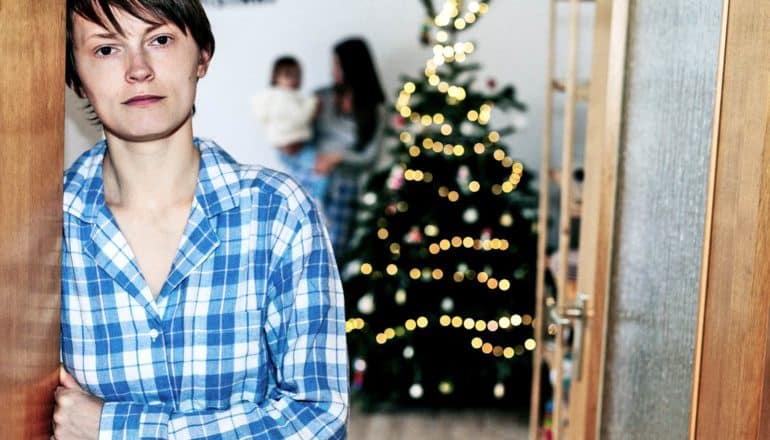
column 368, row 154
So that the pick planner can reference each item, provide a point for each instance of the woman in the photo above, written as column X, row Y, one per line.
column 348, row 134
column 200, row 298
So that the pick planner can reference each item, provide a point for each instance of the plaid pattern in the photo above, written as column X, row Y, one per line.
column 246, row 338
column 340, row 209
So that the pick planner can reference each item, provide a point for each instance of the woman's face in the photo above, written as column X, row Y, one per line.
column 141, row 84
column 339, row 77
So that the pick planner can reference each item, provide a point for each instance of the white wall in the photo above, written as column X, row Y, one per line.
column 511, row 43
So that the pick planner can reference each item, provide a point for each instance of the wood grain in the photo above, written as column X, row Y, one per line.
column 31, row 125
column 733, row 399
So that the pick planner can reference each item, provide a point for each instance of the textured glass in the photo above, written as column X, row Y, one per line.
column 669, row 103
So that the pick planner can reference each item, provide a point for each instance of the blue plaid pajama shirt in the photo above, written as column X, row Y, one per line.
column 246, row 338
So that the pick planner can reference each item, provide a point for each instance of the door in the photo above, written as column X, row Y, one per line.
column 673, row 263
column 31, row 125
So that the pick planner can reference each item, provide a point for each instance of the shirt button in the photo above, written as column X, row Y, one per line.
column 153, row 334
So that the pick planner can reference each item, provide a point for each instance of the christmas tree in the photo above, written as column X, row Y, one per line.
column 440, row 280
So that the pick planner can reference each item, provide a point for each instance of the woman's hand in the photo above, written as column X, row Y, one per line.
column 326, row 163
column 293, row 148
column 77, row 412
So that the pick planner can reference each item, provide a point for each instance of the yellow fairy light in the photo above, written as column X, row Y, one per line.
column 506, row 219
column 445, row 321
column 427, row 177
column 481, row 326
column 505, row 285
column 381, row 339
column 507, row 162
column 405, row 111
column 483, row 8
column 497, row 189
column 504, row 245
column 460, row 57
column 477, row 244
column 446, row 129
column 479, row 148
column 507, row 187
column 473, row 6
column 422, row 322
column 409, row 87
column 498, row 154
column 405, row 137
column 390, row 333
column 437, row 147
column 459, row 24
column 468, row 242
column 458, row 150
column 495, row 243
column 438, row 118
column 392, row 269
column 437, row 274
column 526, row 320
column 486, row 348
column 402, row 206
column 453, row 196
column 473, row 115
column 470, row 18
column 382, row 233
column 427, row 143
column 457, row 322
column 497, row 351
column 482, row 277
column 457, row 241
column 448, row 149
column 494, row 137
column 443, row 191
column 476, row 343
column 518, row 167
column 395, row 248
column 400, row 296
column 516, row 320
column 366, row 268
column 434, row 249
column 434, row 80
column 410, row 324
column 414, row 117
column 425, row 120
column 469, row 47
column 409, row 174
column 359, row 323
column 414, row 151
column 492, row 326
column 460, row 94
column 448, row 52
column 485, row 108
column 474, row 186
column 431, row 230
column 508, row 353
column 530, row 344
column 492, row 283
column 458, row 277
column 469, row 323
column 414, row 273
column 445, row 387
column 349, row 327
column 438, row 49
column 418, row 175
column 444, row 244
column 505, row 322
column 442, row 36
column 443, row 87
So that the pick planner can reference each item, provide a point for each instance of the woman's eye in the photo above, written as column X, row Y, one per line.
column 163, row 40
column 105, row 51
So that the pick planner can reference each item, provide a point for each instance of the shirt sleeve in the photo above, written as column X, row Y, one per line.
column 366, row 157
column 305, row 330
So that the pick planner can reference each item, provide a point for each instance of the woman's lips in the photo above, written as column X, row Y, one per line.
column 143, row 100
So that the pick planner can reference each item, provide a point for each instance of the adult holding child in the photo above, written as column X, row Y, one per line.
column 348, row 134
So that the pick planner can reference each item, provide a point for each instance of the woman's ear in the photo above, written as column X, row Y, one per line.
column 203, row 63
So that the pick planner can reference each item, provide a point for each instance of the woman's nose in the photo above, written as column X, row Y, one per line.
column 139, row 68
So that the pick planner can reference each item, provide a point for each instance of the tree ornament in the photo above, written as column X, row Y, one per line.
column 366, row 304
column 396, row 178
column 414, row 236
column 491, row 83
column 447, row 304
column 463, row 176
column 408, row 352
column 471, row 215
column 416, row 391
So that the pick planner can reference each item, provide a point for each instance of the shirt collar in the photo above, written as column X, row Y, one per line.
column 217, row 190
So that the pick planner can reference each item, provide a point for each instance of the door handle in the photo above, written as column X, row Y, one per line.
column 573, row 316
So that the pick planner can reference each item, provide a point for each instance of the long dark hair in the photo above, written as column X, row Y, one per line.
column 360, row 77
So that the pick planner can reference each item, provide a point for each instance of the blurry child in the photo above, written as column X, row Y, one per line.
column 287, row 117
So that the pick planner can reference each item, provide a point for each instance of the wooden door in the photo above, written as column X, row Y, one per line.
column 731, row 380
column 31, row 155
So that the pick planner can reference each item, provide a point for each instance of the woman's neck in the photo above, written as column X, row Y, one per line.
column 151, row 175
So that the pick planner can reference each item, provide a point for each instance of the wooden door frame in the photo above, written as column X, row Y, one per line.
column 731, row 377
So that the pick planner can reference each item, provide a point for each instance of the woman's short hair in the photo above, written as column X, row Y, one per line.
column 187, row 15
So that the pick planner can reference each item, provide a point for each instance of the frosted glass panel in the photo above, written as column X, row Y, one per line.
column 670, row 90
